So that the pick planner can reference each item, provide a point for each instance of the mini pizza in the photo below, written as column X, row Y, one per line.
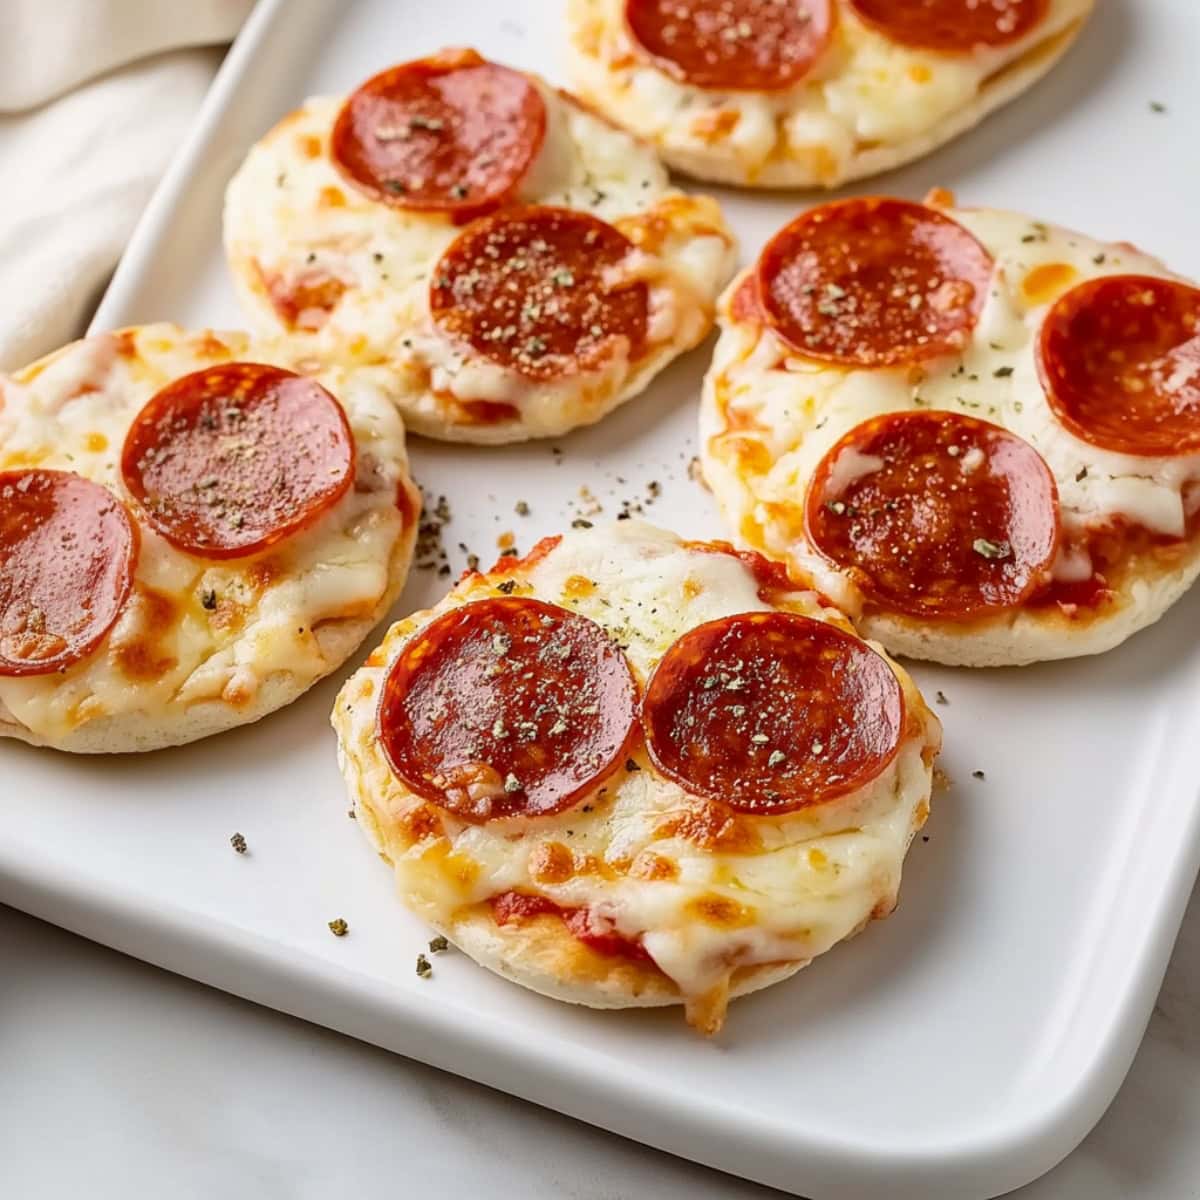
column 190, row 536
column 979, row 434
column 809, row 93
column 519, row 265
column 629, row 770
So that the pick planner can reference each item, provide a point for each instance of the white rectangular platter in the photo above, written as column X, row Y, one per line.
column 959, row 1049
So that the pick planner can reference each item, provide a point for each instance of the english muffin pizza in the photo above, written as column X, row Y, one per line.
column 809, row 93
column 976, row 432
column 629, row 770
column 190, row 536
column 519, row 264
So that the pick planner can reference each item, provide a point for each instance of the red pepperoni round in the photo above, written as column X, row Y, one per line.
column 873, row 282
column 534, row 290
column 453, row 133
column 507, row 707
column 770, row 712
column 232, row 459
column 953, row 26
column 67, row 554
column 936, row 514
column 734, row 45
column 1120, row 361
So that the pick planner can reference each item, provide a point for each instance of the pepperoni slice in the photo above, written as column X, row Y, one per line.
column 936, row 514
column 232, row 459
column 735, row 45
column 1120, row 361
column 953, row 26
column 507, row 707
column 67, row 554
column 534, row 291
column 873, row 282
column 770, row 712
column 453, row 133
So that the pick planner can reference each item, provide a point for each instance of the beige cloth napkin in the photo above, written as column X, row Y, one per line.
column 95, row 97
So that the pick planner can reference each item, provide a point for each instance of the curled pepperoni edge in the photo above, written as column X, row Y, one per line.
column 11, row 669
column 783, row 807
column 766, row 267
column 131, row 473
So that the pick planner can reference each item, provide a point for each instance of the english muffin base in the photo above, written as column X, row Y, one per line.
column 140, row 730
column 720, row 165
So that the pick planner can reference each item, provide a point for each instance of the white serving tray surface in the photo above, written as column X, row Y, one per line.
column 958, row 1049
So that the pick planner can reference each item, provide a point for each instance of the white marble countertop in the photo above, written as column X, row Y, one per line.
column 120, row 1081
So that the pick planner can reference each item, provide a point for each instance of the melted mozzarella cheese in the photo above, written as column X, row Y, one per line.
column 799, row 409
column 637, row 574
column 817, row 874
column 168, row 651
column 866, row 93
column 290, row 215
